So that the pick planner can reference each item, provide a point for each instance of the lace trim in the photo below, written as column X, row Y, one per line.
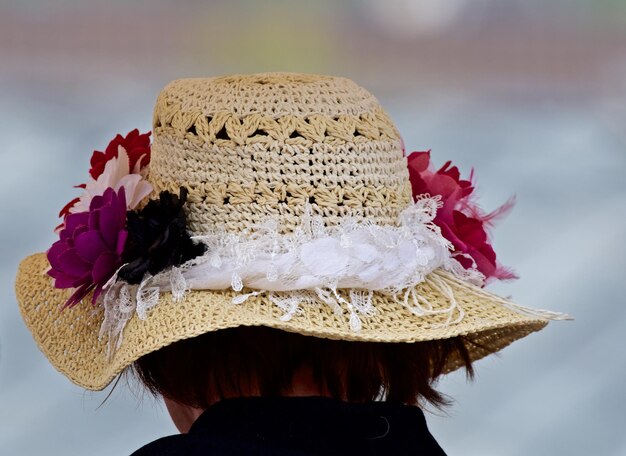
column 308, row 266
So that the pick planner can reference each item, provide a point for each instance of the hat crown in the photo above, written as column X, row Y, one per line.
column 252, row 146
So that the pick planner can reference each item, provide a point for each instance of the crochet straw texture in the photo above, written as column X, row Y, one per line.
column 248, row 147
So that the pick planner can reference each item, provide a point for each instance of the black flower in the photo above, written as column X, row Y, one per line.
column 158, row 238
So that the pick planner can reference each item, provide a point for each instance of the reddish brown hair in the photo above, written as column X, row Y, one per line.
column 234, row 362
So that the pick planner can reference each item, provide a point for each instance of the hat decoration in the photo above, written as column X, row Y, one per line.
column 127, row 255
column 460, row 218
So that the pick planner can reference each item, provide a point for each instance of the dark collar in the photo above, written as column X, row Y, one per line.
column 320, row 424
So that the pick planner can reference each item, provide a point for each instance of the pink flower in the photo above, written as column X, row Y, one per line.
column 90, row 247
column 136, row 145
column 461, row 220
column 116, row 175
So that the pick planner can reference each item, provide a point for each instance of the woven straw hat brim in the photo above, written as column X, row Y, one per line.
column 69, row 337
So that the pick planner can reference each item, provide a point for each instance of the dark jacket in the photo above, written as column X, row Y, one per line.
column 301, row 426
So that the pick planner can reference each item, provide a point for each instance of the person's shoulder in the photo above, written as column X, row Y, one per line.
column 169, row 446
column 195, row 445
column 192, row 445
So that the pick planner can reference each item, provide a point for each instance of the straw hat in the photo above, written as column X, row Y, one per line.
column 296, row 163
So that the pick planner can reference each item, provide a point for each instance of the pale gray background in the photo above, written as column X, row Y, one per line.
column 529, row 92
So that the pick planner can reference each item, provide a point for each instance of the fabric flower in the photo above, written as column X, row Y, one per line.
column 124, row 156
column 445, row 182
column 90, row 247
column 136, row 145
column 158, row 238
column 116, row 175
column 461, row 220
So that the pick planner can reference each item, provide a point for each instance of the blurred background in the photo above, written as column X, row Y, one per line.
column 532, row 93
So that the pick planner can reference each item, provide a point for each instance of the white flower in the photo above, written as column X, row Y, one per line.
column 116, row 175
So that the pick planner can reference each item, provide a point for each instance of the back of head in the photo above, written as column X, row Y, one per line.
column 258, row 361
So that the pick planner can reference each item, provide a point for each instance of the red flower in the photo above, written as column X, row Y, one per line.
column 137, row 147
column 461, row 221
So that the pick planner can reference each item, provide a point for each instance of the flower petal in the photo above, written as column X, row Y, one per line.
column 77, row 232
column 55, row 252
column 72, row 264
column 419, row 161
column 62, row 280
column 136, row 188
column 104, row 267
column 78, row 295
column 96, row 202
column 73, row 221
column 66, row 209
column 121, row 207
column 109, row 226
column 97, row 164
column 482, row 256
column 96, row 293
column 121, row 241
column 112, row 148
column 94, row 220
column 140, row 163
column 89, row 245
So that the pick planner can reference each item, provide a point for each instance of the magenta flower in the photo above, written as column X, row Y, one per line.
column 461, row 220
column 90, row 246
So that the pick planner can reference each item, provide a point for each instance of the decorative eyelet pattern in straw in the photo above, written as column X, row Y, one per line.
column 254, row 147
